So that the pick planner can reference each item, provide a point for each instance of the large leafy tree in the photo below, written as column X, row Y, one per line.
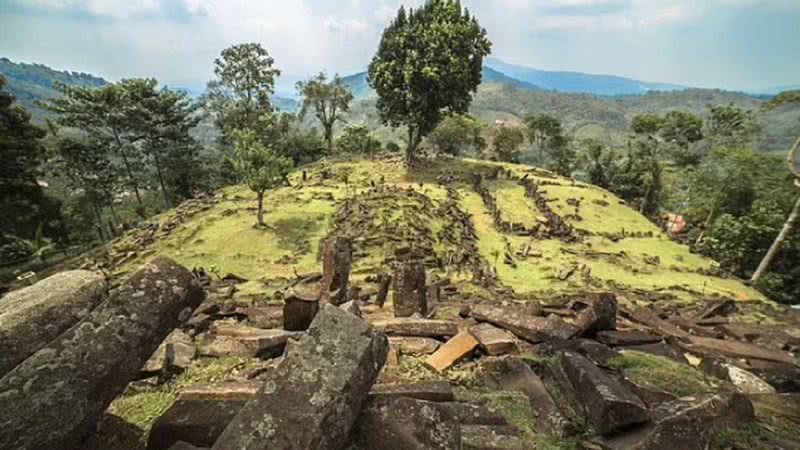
column 458, row 133
column 561, row 155
column 329, row 100
column 507, row 141
column 260, row 167
column 241, row 92
column 112, row 116
column 429, row 62
column 22, row 202
column 543, row 130
column 356, row 138
column 731, row 126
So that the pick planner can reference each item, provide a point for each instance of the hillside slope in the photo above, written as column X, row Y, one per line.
column 564, row 237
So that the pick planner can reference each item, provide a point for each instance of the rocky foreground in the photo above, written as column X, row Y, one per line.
column 378, row 365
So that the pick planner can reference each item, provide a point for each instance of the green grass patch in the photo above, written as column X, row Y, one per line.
column 664, row 373
column 516, row 408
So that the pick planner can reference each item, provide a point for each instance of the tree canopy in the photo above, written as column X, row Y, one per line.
column 329, row 100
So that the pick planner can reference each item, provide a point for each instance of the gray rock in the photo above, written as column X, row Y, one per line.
column 400, row 423
column 33, row 316
column 627, row 338
column 196, row 422
column 609, row 405
column 352, row 307
column 337, row 258
column 526, row 326
column 312, row 399
column 600, row 314
column 409, row 290
column 61, row 391
column 492, row 437
column 299, row 309
column 433, row 391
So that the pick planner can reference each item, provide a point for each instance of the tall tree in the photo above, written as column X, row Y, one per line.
column 561, row 155
column 731, row 126
column 681, row 128
column 794, row 215
column 329, row 100
column 543, row 128
column 507, row 141
column 429, row 62
column 242, row 90
column 458, row 133
column 23, row 204
column 112, row 115
column 260, row 167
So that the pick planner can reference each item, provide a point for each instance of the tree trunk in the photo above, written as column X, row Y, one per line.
column 99, row 218
column 329, row 138
column 776, row 246
column 167, row 202
column 708, row 222
column 260, row 214
column 122, row 153
column 413, row 143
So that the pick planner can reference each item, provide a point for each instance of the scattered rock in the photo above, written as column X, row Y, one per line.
column 263, row 316
column 384, row 282
column 531, row 328
column 435, row 391
column 648, row 317
column 79, row 373
column 475, row 414
column 609, row 406
column 744, row 381
column 735, row 349
column 336, row 262
column 33, row 316
column 299, row 309
column 243, row 390
column 352, row 307
column 494, row 341
column 174, row 355
column 195, row 422
column 660, row 349
column 783, row 377
column 600, row 314
column 264, row 344
column 627, row 338
column 417, row 327
column 409, row 290
column 322, row 383
column 718, row 308
column 414, row 345
column 492, row 437
column 402, row 423
column 454, row 350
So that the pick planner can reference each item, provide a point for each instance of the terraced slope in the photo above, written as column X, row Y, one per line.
column 522, row 227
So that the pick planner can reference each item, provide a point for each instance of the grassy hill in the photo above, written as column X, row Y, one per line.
column 385, row 209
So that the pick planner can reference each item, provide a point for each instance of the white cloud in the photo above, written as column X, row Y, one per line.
column 110, row 8
column 351, row 26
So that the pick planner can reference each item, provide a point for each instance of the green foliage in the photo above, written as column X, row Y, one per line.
column 600, row 163
column 783, row 98
column 676, row 378
column 241, row 92
column 329, row 100
column 637, row 179
column 732, row 126
column 681, row 128
column 458, row 134
column 545, row 132
column 646, row 123
column 561, row 155
column 506, row 142
column 23, row 203
column 392, row 147
column 260, row 167
column 356, row 138
column 429, row 61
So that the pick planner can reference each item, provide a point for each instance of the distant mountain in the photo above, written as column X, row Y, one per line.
column 774, row 90
column 30, row 82
column 578, row 82
column 361, row 89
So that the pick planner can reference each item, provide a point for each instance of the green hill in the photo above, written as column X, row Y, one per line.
column 386, row 209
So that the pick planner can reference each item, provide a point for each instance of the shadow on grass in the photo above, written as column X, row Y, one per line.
column 293, row 233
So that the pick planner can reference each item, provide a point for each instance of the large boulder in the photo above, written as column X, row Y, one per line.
column 312, row 399
column 600, row 314
column 33, row 316
column 402, row 423
column 197, row 422
column 608, row 404
column 61, row 391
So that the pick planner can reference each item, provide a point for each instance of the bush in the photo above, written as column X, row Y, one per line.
column 13, row 249
column 357, row 138
column 392, row 146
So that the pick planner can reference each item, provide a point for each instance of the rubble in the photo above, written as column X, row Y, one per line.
column 33, row 316
column 322, row 382
column 79, row 373
column 409, row 295
column 600, row 314
column 417, row 327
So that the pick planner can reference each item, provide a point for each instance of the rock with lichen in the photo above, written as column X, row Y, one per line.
column 61, row 391
column 313, row 398
column 33, row 316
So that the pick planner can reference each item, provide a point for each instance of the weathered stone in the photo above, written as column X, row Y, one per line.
column 263, row 316
column 660, row 349
column 609, row 406
column 718, row 308
column 33, row 316
column 321, row 383
column 61, row 391
column 735, row 349
column 598, row 353
column 402, row 423
column 196, row 422
column 516, row 375
column 627, row 338
column 476, row 414
column 531, row 328
column 409, row 290
column 783, row 377
column 687, row 423
column 299, row 309
column 180, row 445
column 414, row 345
column 170, row 357
column 336, row 262
column 264, row 344
column 454, row 350
column 417, row 327
column 492, row 340
column 242, row 390
column 352, row 307
column 648, row 317
column 744, row 381
column 600, row 314
column 384, row 282
column 435, row 391
column 492, row 437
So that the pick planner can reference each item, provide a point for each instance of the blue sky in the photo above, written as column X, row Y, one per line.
column 733, row 44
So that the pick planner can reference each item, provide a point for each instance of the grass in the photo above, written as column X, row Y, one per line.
column 663, row 373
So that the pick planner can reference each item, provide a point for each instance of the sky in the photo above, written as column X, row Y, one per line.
column 730, row 44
